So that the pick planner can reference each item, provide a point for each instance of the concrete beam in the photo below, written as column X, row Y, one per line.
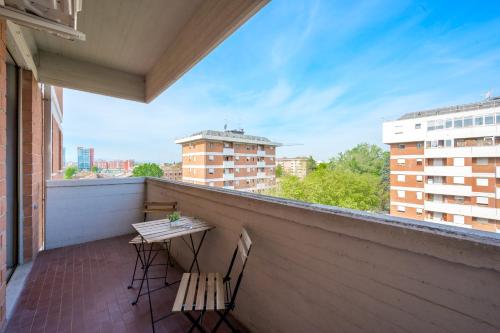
column 19, row 48
column 75, row 74
column 213, row 22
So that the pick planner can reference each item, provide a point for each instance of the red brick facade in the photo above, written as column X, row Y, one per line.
column 3, row 186
column 32, row 167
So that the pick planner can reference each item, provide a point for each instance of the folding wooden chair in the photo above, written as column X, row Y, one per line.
column 152, row 207
column 210, row 291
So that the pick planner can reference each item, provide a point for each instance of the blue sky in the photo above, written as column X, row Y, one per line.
column 324, row 74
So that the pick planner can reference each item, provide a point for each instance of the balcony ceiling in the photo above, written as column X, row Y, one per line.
column 133, row 49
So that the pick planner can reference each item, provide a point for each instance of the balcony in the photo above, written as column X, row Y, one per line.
column 464, row 171
column 462, row 190
column 261, row 174
column 228, row 176
column 332, row 263
column 261, row 153
column 497, row 172
column 228, row 151
column 228, row 187
column 228, row 164
column 261, row 164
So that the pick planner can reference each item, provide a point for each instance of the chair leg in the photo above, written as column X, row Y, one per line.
column 131, row 285
column 223, row 318
column 196, row 322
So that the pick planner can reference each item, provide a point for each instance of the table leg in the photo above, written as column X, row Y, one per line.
column 196, row 251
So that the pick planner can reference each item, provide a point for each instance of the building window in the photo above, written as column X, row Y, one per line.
column 431, row 125
column 419, row 161
column 458, row 161
column 459, row 199
column 498, row 118
column 211, row 171
column 482, row 181
column 401, row 178
column 237, row 158
column 448, row 143
column 482, row 161
column 419, row 195
column 401, row 146
column 489, row 119
column 248, row 159
column 478, row 121
column 248, row 169
column 401, row 209
column 237, row 170
column 419, row 211
column 439, row 124
column 210, row 145
column 418, row 126
column 401, row 161
column 210, row 157
column 467, row 121
column 482, row 200
column 458, row 123
column 448, row 123
column 420, row 178
column 420, row 145
column 458, row 180
column 401, row 194
column 481, row 220
column 458, row 219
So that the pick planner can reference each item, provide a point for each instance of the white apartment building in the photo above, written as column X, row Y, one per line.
column 445, row 165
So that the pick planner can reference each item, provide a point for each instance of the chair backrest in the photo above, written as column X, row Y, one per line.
column 242, row 251
column 159, row 207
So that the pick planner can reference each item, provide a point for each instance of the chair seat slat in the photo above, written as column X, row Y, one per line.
column 210, row 291
column 220, row 292
column 193, row 282
column 202, row 288
column 181, row 293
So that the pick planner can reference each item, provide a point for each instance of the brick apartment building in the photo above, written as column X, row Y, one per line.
column 172, row 171
column 445, row 165
column 296, row 166
column 229, row 159
column 121, row 165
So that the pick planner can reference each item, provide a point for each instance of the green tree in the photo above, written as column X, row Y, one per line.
column 147, row 170
column 279, row 171
column 70, row 172
column 357, row 179
column 364, row 158
column 334, row 187
column 311, row 164
column 94, row 169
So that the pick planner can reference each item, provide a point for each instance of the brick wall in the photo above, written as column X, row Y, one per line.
column 32, row 173
column 3, row 186
column 56, row 147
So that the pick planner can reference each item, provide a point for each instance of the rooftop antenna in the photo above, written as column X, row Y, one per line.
column 488, row 95
column 225, row 125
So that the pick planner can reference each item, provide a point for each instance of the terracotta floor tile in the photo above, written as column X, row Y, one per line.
column 83, row 288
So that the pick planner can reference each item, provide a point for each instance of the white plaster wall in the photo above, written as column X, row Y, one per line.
column 79, row 211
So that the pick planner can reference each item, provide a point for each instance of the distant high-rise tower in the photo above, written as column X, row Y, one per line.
column 85, row 158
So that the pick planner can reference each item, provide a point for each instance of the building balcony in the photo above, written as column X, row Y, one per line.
column 261, row 175
column 261, row 153
column 261, row 164
column 228, row 164
column 367, row 272
column 497, row 172
column 228, row 187
column 462, row 190
column 464, row 171
column 228, row 151
column 228, row 176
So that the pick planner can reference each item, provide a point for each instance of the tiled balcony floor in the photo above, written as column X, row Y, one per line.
column 83, row 288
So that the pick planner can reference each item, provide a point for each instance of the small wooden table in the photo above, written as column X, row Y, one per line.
column 161, row 231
